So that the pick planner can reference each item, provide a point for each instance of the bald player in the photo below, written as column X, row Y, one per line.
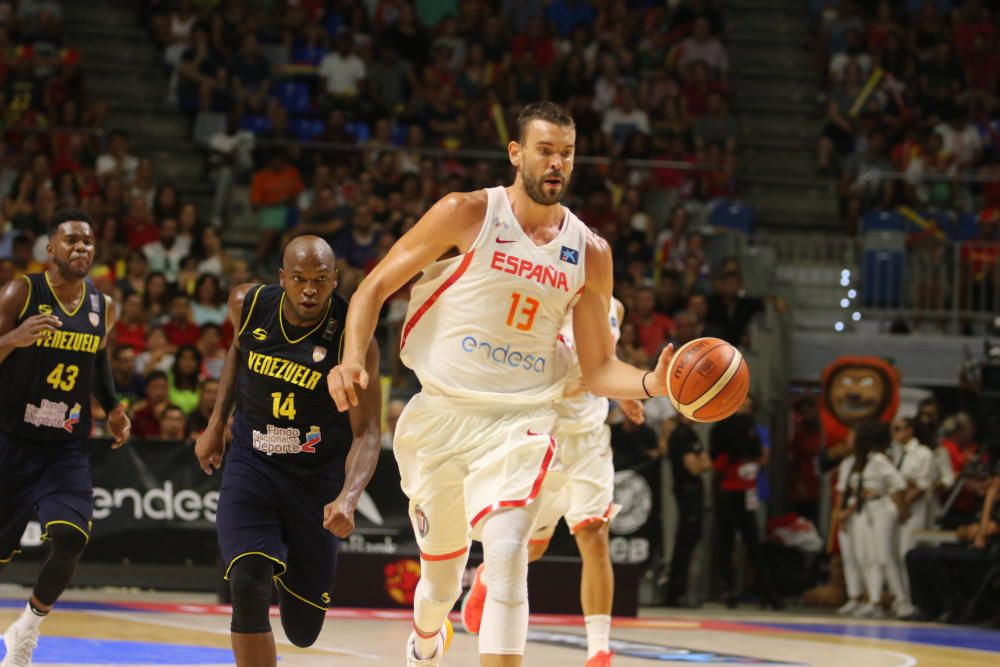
column 297, row 466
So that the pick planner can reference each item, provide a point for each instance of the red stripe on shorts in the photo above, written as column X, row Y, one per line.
column 535, row 488
column 426, row 305
column 591, row 519
column 448, row 556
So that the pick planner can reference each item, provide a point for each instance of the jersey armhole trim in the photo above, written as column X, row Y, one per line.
column 483, row 229
column 253, row 303
column 27, row 299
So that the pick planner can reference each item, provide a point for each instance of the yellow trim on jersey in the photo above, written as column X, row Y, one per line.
column 4, row 561
column 340, row 347
column 24, row 308
column 83, row 297
column 45, row 535
column 284, row 568
column 297, row 596
column 281, row 322
column 250, row 312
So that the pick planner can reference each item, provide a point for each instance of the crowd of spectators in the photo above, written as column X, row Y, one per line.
column 893, row 483
column 384, row 83
column 912, row 88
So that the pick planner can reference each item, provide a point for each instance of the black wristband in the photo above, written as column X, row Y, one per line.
column 104, row 383
column 644, row 384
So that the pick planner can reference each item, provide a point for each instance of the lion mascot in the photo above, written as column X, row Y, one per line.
column 853, row 390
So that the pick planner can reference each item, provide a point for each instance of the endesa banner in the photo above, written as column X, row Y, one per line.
column 154, row 506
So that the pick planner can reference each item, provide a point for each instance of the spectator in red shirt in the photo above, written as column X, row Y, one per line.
column 180, row 328
column 272, row 193
column 535, row 42
column 960, row 441
column 737, row 454
column 654, row 328
column 146, row 413
column 130, row 329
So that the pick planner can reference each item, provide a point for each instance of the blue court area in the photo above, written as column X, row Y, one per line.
column 73, row 605
column 71, row 650
column 951, row 636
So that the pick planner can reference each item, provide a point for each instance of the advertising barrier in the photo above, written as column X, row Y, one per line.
column 154, row 520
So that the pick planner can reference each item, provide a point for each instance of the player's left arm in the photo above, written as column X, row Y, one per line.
column 366, row 427
column 603, row 373
column 104, row 383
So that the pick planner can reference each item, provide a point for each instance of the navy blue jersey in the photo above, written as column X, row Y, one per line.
column 284, row 412
column 47, row 386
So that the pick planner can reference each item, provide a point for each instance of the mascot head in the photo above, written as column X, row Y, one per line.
column 856, row 389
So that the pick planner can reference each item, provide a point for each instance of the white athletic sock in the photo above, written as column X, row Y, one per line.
column 425, row 648
column 598, row 633
column 30, row 619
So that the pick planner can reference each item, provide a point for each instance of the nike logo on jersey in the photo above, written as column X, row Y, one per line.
column 525, row 268
column 532, row 433
column 500, row 240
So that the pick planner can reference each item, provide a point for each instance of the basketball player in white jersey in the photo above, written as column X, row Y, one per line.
column 580, row 489
column 475, row 445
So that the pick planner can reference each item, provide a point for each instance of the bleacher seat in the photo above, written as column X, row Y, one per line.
column 967, row 228
column 305, row 129
column 733, row 215
column 359, row 130
column 882, row 267
column 308, row 55
column 398, row 134
column 881, row 220
column 256, row 124
column 293, row 95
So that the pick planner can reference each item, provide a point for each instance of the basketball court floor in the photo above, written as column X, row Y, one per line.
column 131, row 629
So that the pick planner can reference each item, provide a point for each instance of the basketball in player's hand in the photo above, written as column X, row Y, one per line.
column 708, row 379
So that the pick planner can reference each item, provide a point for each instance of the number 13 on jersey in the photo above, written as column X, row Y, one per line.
column 522, row 317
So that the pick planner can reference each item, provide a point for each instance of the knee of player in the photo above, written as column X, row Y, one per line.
column 67, row 539
column 250, row 582
column 592, row 540
column 507, row 572
column 537, row 548
column 303, row 625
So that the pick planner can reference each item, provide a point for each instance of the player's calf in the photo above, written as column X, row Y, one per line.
column 68, row 543
column 302, row 622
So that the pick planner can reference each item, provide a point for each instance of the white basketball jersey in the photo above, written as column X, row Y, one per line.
column 482, row 327
column 584, row 412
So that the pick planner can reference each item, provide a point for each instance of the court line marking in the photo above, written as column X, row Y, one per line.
column 123, row 616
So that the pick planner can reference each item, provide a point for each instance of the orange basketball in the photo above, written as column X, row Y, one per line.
column 708, row 379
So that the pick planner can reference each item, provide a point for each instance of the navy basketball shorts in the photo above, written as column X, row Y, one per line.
column 266, row 511
column 50, row 481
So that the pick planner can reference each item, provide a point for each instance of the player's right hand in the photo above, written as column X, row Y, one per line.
column 341, row 381
column 32, row 329
column 632, row 410
column 209, row 449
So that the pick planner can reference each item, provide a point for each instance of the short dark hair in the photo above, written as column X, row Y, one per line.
column 546, row 111
column 157, row 375
column 172, row 407
column 68, row 215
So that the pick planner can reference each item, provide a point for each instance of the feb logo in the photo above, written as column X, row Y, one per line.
column 569, row 255
column 401, row 579
column 95, row 319
column 319, row 354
